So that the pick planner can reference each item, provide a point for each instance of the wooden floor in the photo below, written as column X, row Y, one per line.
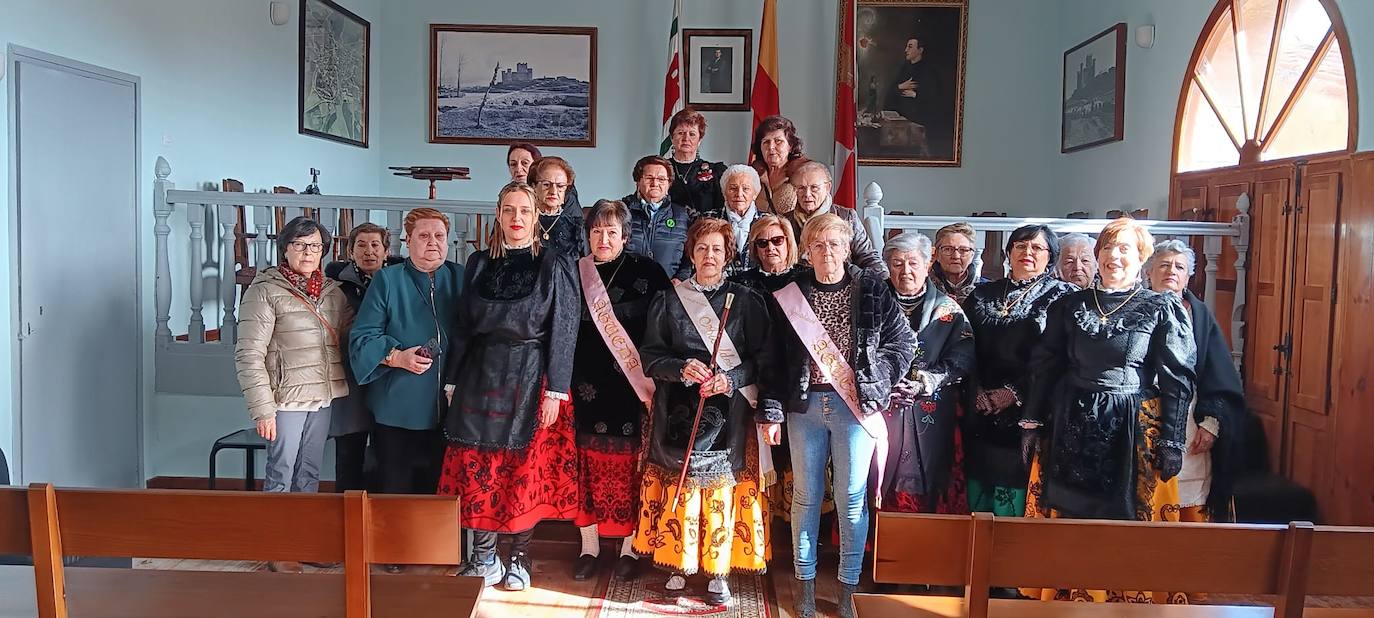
column 557, row 594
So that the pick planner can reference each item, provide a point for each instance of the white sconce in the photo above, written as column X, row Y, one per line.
column 1145, row 36
column 280, row 12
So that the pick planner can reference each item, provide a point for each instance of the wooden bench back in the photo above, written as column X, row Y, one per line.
column 354, row 528
column 981, row 551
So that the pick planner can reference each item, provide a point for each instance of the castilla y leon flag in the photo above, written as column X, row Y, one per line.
column 846, row 160
column 764, row 98
column 672, row 81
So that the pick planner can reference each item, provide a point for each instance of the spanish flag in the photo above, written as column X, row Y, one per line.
column 764, row 98
column 846, row 167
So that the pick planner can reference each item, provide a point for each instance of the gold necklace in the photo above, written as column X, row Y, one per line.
column 546, row 230
column 1104, row 314
column 615, row 272
column 1009, row 303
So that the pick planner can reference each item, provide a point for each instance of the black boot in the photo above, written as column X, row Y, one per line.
column 805, row 604
column 847, row 600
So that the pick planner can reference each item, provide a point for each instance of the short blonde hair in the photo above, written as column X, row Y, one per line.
column 496, row 245
column 420, row 214
column 712, row 225
column 961, row 227
column 1144, row 241
column 821, row 224
column 763, row 223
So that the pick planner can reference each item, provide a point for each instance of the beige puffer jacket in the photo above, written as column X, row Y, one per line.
column 284, row 353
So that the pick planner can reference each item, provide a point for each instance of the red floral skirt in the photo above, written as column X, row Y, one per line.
column 511, row 490
column 609, row 488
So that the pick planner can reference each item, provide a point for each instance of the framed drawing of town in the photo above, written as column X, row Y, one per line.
column 1094, row 102
column 334, row 58
column 500, row 84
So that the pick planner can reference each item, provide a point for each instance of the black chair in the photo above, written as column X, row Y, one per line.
column 249, row 442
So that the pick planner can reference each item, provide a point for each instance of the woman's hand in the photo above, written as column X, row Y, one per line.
column 548, row 411
column 718, row 384
column 772, row 433
column 695, row 372
column 1202, row 442
column 409, row 360
column 267, row 428
column 994, row 401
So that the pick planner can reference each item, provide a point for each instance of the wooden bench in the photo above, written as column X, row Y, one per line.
column 355, row 528
column 981, row 551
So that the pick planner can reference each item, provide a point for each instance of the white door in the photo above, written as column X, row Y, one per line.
column 76, row 137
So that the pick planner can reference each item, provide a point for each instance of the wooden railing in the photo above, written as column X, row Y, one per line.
column 195, row 350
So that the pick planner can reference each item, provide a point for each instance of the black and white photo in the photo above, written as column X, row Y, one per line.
column 1094, row 91
column 717, row 65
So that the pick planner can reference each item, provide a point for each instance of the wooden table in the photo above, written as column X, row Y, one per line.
column 140, row 593
column 913, row 606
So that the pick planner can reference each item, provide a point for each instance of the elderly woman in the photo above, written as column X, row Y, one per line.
column 1218, row 413
column 955, row 272
column 350, row 420
column 718, row 522
column 741, row 186
column 694, row 180
column 511, row 455
column 610, row 393
column 849, row 344
column 776, row 151
column 560, row 216
column 1108, row 404
column 658, row 224
column 519, row 157
column 1008, row 318
column 1076, row 264
column 773, row 255
column 925, row 456
column 397, row 349
column 288, row 359
column 811, row 181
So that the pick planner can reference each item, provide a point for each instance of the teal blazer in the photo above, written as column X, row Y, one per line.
column 396, row 313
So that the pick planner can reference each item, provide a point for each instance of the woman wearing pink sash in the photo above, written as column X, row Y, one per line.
column 849, row 344
column 609, row 389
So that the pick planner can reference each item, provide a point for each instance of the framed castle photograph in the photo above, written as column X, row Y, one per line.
column 501, row 84
column 717, row 66
column 1094, row 98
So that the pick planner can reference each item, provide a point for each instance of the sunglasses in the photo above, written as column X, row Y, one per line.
column 762, row 243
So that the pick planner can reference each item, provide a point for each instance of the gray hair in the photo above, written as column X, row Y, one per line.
column 813, row 166
column 1073, row 240
column 1173, row 246
column 907, row 242
column 739, row 168
column 301, row 227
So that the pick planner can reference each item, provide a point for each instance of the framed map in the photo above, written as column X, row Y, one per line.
column 334, row 54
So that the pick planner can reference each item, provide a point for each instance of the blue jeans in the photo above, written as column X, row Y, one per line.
column 828, row 430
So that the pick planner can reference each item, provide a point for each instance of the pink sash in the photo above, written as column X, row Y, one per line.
column 612, row 332
column 825, row 354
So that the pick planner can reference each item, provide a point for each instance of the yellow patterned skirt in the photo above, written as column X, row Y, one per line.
column 1155, row 500
column 710, row 529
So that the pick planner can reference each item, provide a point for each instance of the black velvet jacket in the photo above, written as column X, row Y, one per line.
column 884, row 345
column 566, row 231
column 697, row 185
column 1219, row 395
column 517, row 328
column 1092, row 375
column 1008, row 318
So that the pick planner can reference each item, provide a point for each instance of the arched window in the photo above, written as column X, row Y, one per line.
column 1269, row 79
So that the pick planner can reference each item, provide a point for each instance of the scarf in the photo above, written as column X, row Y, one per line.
column 960, row 291
column 312, row 286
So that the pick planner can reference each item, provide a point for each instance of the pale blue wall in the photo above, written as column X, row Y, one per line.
column 219, row 83
column 1134, row 173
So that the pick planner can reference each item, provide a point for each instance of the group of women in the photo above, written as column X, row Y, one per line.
column 670, row 368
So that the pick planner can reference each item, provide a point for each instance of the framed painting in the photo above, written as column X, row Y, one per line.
column 334, row 56
column 717, row 64
column 910, row 57
column 1094, row 102
column 502, row 84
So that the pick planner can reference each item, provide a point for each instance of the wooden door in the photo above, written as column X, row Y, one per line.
column 1265, row 324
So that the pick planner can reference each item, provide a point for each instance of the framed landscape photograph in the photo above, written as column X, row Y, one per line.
column 501, row 84
column 909, row 82
column 1094, row 102
column 717, row 64
column 334, row 54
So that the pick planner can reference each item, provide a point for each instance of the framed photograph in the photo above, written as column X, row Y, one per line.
column 910, row 57
column 718, row 64
column 1094, row 104
column 334, row 54
column 501, row 84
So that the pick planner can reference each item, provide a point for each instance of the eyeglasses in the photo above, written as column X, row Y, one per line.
column 303, row 247
column 823, row 245
column 546, row 185
column 1029, row 247
column 959, row 251
column 662, row 180
column 776, row 241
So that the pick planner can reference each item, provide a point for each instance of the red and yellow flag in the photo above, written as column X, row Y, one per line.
column 764, row 98
column 846, row 160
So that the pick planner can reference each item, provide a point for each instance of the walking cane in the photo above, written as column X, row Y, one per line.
column 701, row 403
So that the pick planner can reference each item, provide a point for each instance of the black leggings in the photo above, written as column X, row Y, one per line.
column 484, row 544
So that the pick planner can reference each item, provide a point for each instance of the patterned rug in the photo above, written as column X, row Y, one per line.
column 752, row 596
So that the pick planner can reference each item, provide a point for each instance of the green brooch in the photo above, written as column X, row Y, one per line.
column 672, row 223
